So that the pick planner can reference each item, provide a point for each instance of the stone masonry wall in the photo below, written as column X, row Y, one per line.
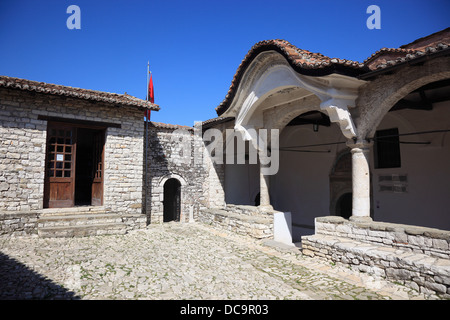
column 430, row 241
column 414, row 256
column 23, row 144
column 167, row 160
column 240, row 219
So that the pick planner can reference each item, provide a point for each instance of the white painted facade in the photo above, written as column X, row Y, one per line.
column 271, row 94
column 426, row 201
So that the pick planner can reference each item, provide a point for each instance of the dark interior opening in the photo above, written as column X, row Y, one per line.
column 84, row 166
column 344, row 206
column 172, row 195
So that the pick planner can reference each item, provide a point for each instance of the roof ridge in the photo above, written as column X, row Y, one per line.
column 384, row 49
column 425, row 37
column 87, row 94
column 164, row 125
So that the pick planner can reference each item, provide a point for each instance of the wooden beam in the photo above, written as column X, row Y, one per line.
column 79, row 122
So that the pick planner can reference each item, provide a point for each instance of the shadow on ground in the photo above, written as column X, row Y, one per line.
column 18, row 282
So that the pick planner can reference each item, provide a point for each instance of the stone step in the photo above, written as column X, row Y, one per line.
column 73, row 211
column 79, row 222
column 81, row 230
column 78, row 219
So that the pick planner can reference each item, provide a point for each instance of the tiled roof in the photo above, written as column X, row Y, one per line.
column 217, row 120
column 161, row 125
column 303, row 61
column 316, row 64
column 93, row 95
column 391, row 56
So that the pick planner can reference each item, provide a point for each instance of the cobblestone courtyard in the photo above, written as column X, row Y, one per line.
column 176, row 261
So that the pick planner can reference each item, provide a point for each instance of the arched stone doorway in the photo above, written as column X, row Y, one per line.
column 341, row 183
column 172, row 200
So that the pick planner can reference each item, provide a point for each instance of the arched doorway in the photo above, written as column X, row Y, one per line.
column 344, row 205
column 172, row 200
column 341, row 182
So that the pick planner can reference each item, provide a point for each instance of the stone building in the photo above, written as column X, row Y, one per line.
column 175, row 183
column 362, row 175
column 69, row 157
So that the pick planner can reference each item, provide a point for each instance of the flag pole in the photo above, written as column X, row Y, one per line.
column 146, row 145
column 148, row 72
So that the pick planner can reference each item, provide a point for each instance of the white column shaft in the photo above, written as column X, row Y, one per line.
column 360, row 180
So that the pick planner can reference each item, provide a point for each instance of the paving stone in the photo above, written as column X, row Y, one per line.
column 176, row 261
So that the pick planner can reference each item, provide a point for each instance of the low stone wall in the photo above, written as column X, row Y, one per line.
column 430, row 241
column 18, row 223
column 414, row 256
column 239, row 219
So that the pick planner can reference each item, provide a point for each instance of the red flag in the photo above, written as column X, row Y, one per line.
column 150, row 96
column 151, row 93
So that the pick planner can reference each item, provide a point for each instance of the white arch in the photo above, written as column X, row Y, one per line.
column 163, row 180
column 269, row 77
column 380, row 95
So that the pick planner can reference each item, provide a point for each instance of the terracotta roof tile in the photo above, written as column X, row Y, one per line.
column 390, row 57
column 214, row 121
column 93, row 95
column 303, row 61
column 161, row 125
column 317, row 64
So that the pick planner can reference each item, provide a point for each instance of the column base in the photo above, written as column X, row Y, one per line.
column 265, row 208
column 360, row 219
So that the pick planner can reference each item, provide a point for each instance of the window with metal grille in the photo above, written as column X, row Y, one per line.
column 387, row 149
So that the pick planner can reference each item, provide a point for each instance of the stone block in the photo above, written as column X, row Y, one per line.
column 440, row 244
column 282, row 227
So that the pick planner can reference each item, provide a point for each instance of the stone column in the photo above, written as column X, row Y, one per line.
column 264, row 202
column 360, row 180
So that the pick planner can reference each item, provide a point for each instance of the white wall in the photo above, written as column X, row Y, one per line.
column 427, row 200
column 241, row 183
column 302, row 183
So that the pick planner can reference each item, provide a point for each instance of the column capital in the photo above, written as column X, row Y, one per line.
column 359, row 144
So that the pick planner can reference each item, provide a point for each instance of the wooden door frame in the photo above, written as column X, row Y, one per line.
column 74, row 125
column 102, row 181
column 71, row 179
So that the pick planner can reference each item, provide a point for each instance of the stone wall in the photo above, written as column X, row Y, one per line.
column 19, row 223
column 415, row 256
column 171, row 155
column 23, row 141
column 240, row 219
column 430, row 241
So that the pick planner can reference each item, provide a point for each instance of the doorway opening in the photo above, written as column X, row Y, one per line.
column 74, row 166
column 172, row 200
column 344, row 206
column 88, row 172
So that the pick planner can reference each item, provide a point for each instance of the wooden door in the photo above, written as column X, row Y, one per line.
column 60, row 166
column 98, row 166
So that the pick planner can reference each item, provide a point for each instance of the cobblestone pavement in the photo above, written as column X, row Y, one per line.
column 176, row 261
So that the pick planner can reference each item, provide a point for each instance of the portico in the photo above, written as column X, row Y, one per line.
column 372, row 131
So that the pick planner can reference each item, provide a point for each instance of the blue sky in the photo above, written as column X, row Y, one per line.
column 194, row 47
